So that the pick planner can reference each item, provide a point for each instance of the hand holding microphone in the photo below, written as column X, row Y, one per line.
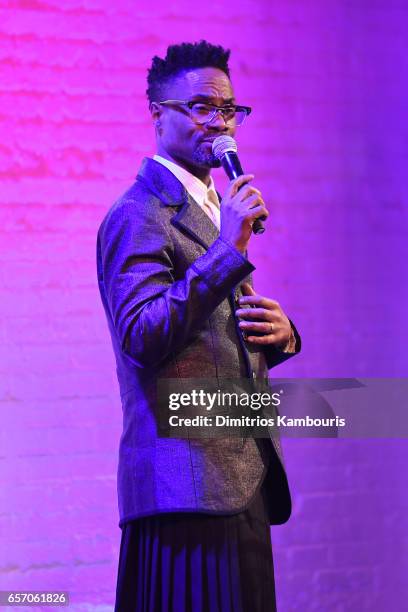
column 243, row 208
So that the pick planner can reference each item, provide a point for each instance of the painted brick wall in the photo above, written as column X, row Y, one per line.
column 327, row 142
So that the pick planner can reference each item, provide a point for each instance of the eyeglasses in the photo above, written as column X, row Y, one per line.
column 202, row 112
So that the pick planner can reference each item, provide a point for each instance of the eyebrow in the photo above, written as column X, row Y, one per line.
column 209, row 98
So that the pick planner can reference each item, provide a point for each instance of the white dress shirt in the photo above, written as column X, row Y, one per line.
column 206, row 197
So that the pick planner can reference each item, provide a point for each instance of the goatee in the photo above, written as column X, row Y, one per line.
column 206, row 159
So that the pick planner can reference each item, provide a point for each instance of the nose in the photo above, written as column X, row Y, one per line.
column 218, row 122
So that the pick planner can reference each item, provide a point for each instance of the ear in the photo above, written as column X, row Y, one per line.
column 156, row 111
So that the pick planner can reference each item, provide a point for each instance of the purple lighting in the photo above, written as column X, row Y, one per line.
column 327, row 142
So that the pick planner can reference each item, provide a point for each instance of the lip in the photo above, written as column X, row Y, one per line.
column 211, row 140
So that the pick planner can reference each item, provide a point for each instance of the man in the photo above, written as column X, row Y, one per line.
column 175, row 284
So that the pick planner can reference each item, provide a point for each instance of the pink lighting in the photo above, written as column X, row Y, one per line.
column 327, row 141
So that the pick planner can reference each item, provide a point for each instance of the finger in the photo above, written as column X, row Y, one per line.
column 247, row 290
column 265, row 327
column 264, row 340
column 262, row 314
column 255, row 212
column 252, row 200
column 256, row 207
column 237, row 183
column 247, row 191
column 259, row 300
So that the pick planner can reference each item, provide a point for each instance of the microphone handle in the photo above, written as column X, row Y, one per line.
column 233, row 168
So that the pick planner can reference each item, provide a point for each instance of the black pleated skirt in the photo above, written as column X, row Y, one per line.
column 188, row 562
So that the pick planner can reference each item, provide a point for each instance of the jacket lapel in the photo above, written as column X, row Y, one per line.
column 190, row 218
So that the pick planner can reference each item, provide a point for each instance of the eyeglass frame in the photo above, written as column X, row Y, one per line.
column 217, row 109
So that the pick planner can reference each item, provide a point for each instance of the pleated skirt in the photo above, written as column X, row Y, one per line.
column 189, row 562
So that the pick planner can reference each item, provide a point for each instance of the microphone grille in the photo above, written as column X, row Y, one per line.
column 222, row 145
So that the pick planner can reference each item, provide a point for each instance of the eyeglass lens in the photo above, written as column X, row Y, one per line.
column 202, row 113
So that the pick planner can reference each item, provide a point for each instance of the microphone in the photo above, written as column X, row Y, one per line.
column 225, row 149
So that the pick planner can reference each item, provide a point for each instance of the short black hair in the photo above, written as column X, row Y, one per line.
column 184, row 56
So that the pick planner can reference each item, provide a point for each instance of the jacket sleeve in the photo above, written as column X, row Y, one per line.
column 274, row 356
column 154, row 313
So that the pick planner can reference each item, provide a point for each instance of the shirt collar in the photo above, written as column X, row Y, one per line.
column 196, row 188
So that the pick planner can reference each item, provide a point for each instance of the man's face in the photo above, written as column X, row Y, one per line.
column 179, row 138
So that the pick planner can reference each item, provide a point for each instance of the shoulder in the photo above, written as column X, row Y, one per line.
column 137, row 203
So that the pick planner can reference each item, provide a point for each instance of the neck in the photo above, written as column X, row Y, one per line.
column 201, row 173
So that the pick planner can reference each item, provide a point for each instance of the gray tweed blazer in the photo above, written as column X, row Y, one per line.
column 168, row 284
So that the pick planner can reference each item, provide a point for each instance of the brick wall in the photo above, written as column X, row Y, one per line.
column 327, row 142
